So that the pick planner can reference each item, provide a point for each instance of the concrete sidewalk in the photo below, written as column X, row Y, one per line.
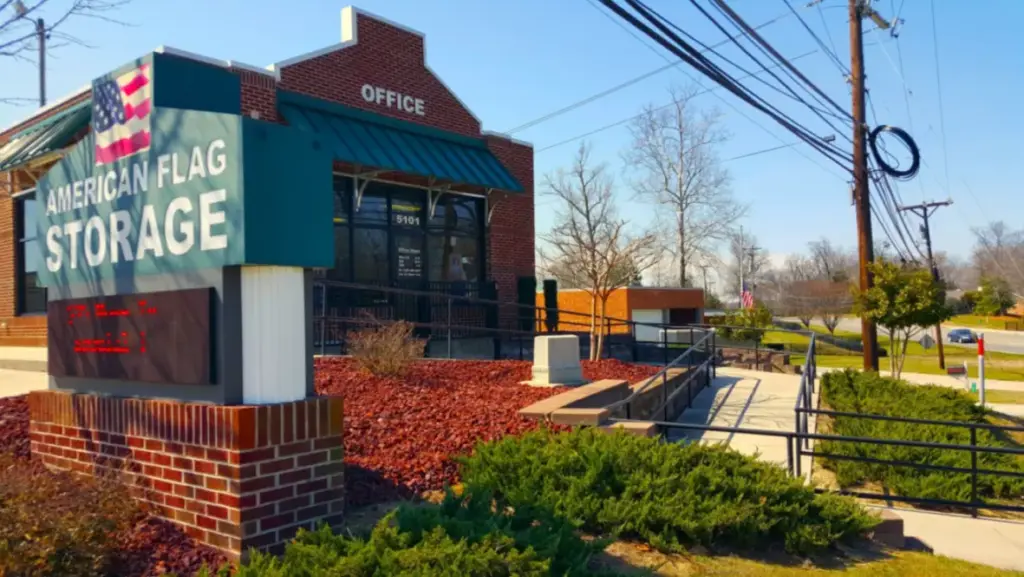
column 748, row 399
column 14, row 383
column 1006, row 409
column 756, row 400
column 995, row 542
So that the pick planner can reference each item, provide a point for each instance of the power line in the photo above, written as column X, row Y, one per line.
column 662, row 107
column 691, row 56
column 833, row 53
column 706, row 49
column 938, row 82
column 626, row 84
column 765, row 46
column 786, row 90
column 700, row 54
column 906, row 95
column 792, row 93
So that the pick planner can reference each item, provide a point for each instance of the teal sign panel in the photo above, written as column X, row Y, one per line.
column 164, row 198
column 155, row 189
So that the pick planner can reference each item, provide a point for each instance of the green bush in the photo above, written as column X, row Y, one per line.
column 463, row 536
column 856, row 392
column 668, row 495
column 58, row 524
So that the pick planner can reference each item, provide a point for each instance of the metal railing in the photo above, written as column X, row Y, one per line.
column 444, row 316
column 799, row 444
column 974, row 504
column 706, row 367
column 804, row 402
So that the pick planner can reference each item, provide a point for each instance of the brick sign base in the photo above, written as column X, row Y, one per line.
column 236, row 477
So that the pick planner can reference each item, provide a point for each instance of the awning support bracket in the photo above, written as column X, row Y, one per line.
column 492, row 203
column 360, row 187
column 434, row 199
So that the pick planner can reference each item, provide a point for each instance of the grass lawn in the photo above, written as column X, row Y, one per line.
column 798, row 342
column 1002, row 397
column 975, row 321
column 625, row 556
column 996, row 367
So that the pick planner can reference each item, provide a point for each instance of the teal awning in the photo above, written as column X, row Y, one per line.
column 375, row 141
column 49, row 136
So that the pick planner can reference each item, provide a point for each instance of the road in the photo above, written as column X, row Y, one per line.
column 997, row 341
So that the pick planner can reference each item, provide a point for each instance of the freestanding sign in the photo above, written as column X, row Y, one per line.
column 176, row 248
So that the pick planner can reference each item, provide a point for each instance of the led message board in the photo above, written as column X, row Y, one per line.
column 160, row 337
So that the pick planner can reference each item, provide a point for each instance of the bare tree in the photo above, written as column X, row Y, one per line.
column 798, row 268
column 829, row 261
column 834, row 299
column 21, row 22
column 999, row 253
column 955, row 272
column 674, row 161
column 591, row 239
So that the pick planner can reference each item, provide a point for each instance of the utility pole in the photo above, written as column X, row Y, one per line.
column 752, row 252
column 20, row 11
column 703, row 266
column 925, row 210
column 861, row 194
column 41, row 34
column 740, row 266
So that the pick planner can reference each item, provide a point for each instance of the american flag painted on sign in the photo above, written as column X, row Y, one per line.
column 121, row 114
column 746, row 297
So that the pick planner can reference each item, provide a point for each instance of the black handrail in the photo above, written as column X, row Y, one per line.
column 961, row 424
column 663, row 373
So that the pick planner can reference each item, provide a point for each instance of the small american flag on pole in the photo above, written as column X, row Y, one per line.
column 121, row 114
column 746, row 297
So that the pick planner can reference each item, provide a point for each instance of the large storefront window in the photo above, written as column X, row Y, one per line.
column 389, row 239
column 370, row 251
column 31, row 297
column 454, row 258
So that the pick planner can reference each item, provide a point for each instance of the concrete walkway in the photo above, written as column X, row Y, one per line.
column 757, row 400
column 1009, row 409
column 995, row 542
column 14, row 383
column 748, row 399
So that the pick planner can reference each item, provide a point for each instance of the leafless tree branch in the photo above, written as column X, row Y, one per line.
column 18, row 28
column 673, row 162
column 588, row 245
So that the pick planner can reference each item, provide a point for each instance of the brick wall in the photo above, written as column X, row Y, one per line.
column 579, row 302
column 510, row 241
column 259, row 95
column 233, row 477
column 385, row 56
column 20, row 332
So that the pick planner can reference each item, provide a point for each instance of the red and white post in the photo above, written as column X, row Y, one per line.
column 981, row 369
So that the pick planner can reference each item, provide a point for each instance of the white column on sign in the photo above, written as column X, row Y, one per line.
column 273, row 334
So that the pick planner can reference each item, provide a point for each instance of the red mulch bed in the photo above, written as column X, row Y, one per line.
column 400, row 437
column 401, row 434
column 14, row 426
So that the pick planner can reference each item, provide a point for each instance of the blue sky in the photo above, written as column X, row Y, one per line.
column 515, row 61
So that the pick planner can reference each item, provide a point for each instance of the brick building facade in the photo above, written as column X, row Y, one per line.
column 376, row 58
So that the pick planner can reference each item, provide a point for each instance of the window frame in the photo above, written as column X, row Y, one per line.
column 427, row 227
column 21, row 239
